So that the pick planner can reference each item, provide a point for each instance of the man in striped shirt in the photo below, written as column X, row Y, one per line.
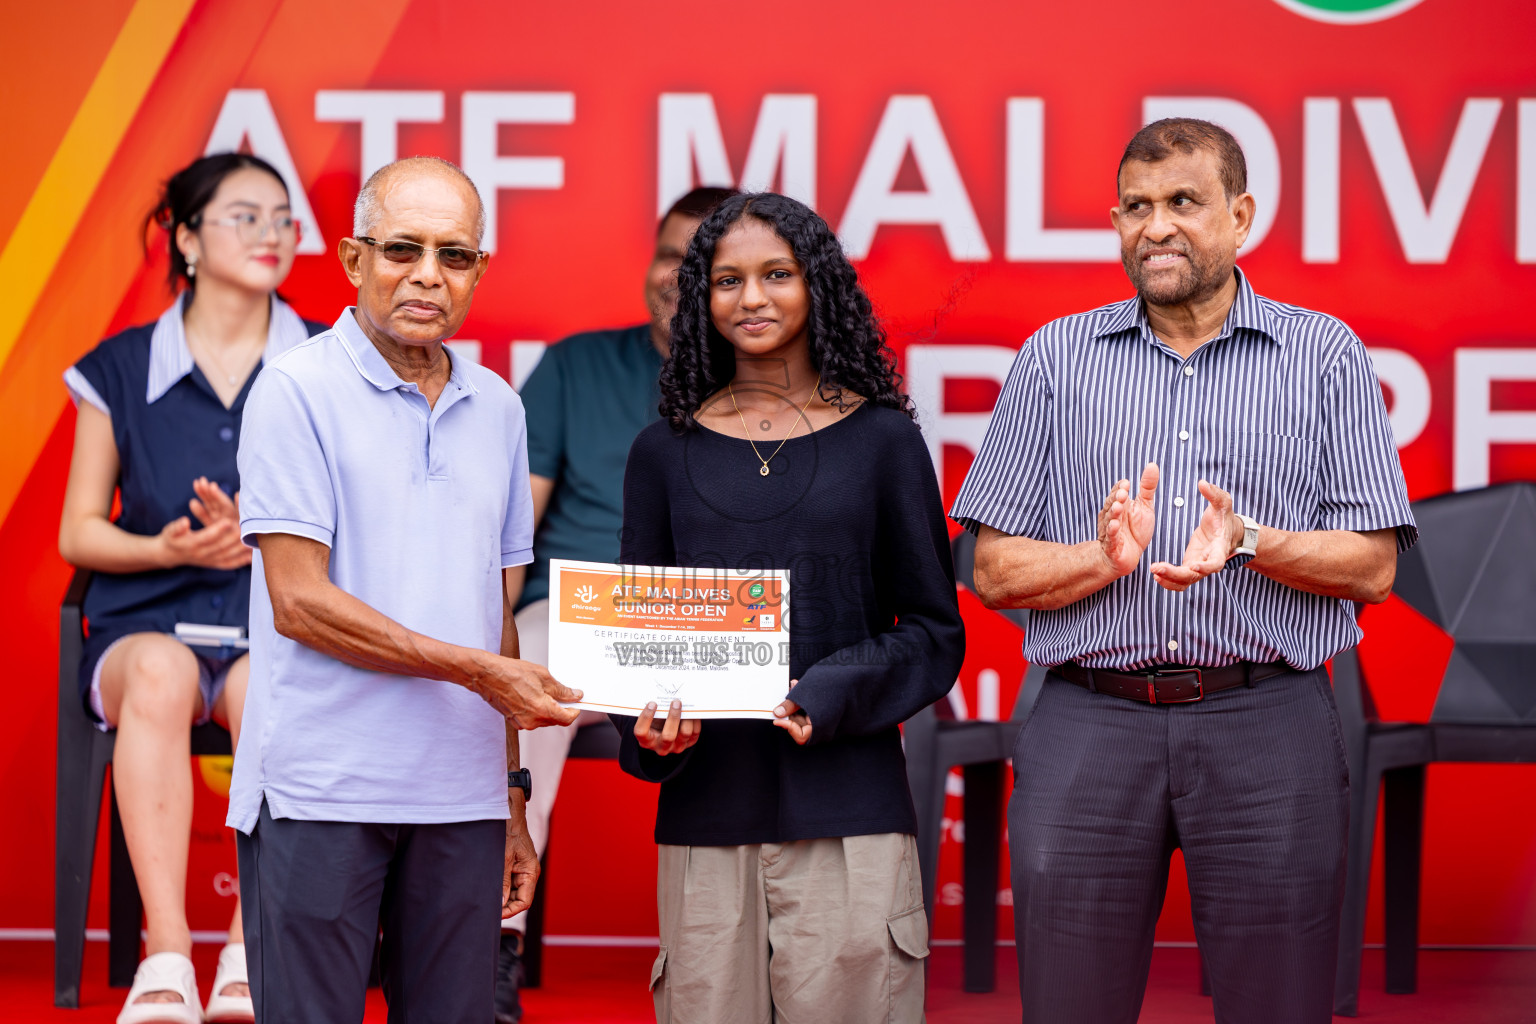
column 1189, row 488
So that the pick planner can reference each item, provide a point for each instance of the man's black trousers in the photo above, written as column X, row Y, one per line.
column 316, row 894
column 1251, row 783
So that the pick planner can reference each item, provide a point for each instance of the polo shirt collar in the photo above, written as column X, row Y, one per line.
column 170, row 359
column 375, row 368
column 1247, row 313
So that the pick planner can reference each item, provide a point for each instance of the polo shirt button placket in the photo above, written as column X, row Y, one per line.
column 435, row 471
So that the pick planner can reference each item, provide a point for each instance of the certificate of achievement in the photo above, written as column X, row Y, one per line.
column 626, row 635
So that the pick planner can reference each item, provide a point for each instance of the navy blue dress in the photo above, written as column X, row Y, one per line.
column 163, row 445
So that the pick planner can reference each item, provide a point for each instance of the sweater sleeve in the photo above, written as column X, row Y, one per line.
column 880, row 682
column 646, row 539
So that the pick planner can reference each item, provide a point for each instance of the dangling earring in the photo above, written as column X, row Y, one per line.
column 191, row 265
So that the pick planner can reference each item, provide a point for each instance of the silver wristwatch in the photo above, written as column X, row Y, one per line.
column 1250, row 544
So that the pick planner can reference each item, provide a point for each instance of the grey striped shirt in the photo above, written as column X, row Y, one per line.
column 1282, row 409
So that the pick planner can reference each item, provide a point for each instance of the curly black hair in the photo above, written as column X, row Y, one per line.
column 847, row 343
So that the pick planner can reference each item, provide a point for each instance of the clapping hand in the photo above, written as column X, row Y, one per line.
column 1125, row 523
column 211, row 504
column 1209, row 546
column 217, row 545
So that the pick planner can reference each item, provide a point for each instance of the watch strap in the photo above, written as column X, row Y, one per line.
column 1250, row 542
column 521, row 779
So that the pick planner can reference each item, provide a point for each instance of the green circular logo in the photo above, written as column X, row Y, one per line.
column 1347, row 12
column 756, row 590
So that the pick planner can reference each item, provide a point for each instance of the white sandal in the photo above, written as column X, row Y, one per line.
column 163, row 972
column 231, row 1009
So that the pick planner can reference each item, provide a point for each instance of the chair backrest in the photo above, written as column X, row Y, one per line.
column 1473, row 574
column 963, row 550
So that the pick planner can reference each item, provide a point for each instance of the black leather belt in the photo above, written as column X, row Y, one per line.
column 1169, row 684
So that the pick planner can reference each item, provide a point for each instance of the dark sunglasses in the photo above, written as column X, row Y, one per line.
column 452, row 257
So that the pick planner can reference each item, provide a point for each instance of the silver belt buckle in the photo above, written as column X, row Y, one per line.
column 1155, row 674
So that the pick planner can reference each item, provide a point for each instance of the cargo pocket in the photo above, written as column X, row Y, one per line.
column 909, row 931
column 658, row 968
column 909, row 948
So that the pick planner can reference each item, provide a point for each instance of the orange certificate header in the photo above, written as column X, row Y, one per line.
column 686, row 600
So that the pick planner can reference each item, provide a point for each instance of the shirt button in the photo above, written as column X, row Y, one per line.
column 1183, row 435
column 226, row 433
column 217, row 601
column 1178, row 502
column 1189, row 371
column 1173, row 645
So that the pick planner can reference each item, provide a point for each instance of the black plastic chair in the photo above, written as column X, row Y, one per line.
column 593, row 741
column 1471, row 575
column 935, row 742
column 84, row 754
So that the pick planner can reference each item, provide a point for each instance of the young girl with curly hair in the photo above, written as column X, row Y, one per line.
column 788, row 882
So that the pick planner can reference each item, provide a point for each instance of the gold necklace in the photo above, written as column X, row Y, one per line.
column 748, row 430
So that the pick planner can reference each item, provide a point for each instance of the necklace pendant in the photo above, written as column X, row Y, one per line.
column 764, row 470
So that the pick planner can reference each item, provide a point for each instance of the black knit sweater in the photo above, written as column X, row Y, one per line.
column 853, row 512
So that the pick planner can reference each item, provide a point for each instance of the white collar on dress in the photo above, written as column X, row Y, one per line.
column 170, row 359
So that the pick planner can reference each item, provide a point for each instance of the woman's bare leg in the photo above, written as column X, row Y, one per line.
column 229, row 711
column 149, row 691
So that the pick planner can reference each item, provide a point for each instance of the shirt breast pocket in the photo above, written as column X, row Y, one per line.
column 1274, row 478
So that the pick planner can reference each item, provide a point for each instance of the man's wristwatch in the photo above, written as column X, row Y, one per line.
column 521, row 779
column 1248, row 547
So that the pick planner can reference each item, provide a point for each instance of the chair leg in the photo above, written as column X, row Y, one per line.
column 125, row 918
column 82, row 768
column 983, row 848
column 1364, row 790
column 533, row 936
column 1403, row 839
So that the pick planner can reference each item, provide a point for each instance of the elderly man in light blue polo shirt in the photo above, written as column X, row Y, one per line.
column 385, row 487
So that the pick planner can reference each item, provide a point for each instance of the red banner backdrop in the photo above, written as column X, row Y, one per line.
column 966, row 154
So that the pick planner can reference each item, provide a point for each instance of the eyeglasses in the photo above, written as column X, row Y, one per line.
column 251, row 229
column 452, row 257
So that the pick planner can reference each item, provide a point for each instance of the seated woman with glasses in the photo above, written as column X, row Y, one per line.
column 158, row 425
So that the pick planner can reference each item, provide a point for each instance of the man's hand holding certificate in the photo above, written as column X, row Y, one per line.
column 716, row 640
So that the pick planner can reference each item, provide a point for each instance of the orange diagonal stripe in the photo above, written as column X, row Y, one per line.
column 34, row 248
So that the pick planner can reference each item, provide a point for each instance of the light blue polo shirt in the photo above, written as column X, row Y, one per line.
column 422, row 508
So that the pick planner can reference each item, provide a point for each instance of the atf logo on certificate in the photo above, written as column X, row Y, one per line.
column 627, row 635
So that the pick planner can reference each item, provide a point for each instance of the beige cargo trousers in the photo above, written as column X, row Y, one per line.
column 807, row 932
